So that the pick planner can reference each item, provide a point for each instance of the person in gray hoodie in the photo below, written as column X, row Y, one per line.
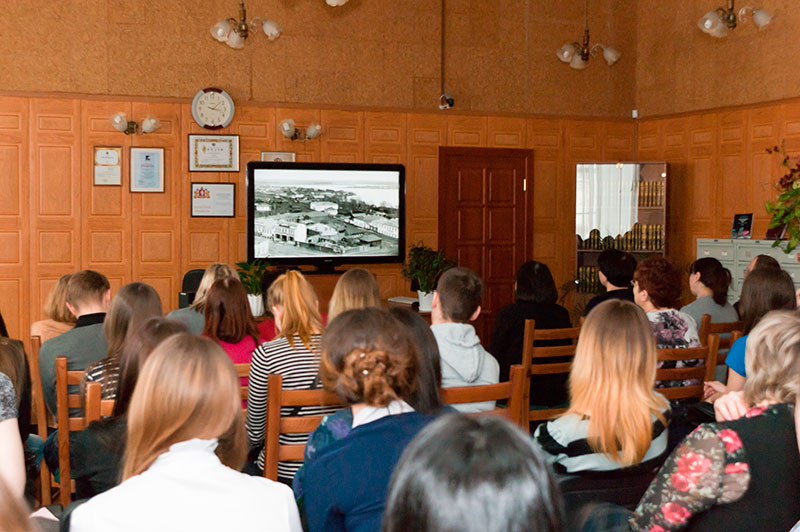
column 457, row 302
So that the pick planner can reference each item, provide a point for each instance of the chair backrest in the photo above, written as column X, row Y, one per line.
column 66, row 424
column 191, row 280
column 512, row 391
column 274, row 451
column 530, row 352
column 39, row 414
column 96, row 406
column 705, row 372
column 243, row 370
column 734, row 330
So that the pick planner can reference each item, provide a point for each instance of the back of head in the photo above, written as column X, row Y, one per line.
column 661, row 279
column 765, row 262
column 535, row 283
column 368, row 357
column 214, row 272
column 425, row 399
column 132, row 305
column 612, row 380
column 267, row 278
column 14, row 364
column 188, row 388
column 298, row 303
column 86, row 287
column 714, row 276
column 356, row 288
column 772, row 359
column 227, row 312
column 472, row 475
column 135, row 352
column 617, row 266
column 460, row 292
column 55, row 306
column 764, row 290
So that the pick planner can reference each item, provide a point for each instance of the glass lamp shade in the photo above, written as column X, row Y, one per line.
column 713, row 25
column 336, row 3
column 235, row 40
column 119, row 121
column 313, row 131
column 578, row 63
column 287, row 128
column 761, row 18
column 271, row 29
column 150, row 124
column 220, row 30
column 566, row 52
column 610, row 55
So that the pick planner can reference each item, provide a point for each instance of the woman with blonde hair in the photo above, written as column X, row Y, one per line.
column 356, row 288
column 294, row 354
column 193, row 316
column 185, row 446
column 615, row 419
column 58, row 317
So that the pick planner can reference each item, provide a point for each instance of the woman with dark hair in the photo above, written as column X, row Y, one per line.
column 536, row 297
column 709, row 282
column 615, row 272
column 472, row 475
column 372, row 364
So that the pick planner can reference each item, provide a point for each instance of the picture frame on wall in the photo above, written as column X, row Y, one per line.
column 213, row 200
column 278, row 156
column 107, row 165
column 213, row 153
column 147, row 169
column 742, row 225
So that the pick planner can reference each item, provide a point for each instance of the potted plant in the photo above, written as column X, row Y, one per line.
column 424, row 266
column 785, row 211
column 250, row 274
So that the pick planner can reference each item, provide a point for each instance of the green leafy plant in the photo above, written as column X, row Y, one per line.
column 785, row 211
column 250, row 274
column 425, row 265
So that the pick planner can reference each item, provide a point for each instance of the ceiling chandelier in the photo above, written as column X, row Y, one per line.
column 718, row 21
column 234, row 32
column 578, row 55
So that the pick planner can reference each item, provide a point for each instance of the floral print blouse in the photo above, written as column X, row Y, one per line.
column 674, row 329
column 708, row 468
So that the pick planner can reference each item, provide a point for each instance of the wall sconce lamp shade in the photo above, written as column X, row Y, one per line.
column 289, row 129
column 717, row 22
column 234, row 32
column 336, row 3
column 121, row 123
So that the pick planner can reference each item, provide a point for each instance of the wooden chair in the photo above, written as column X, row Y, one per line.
column 733, row 328
column 705, row 372
column 243, row 370
column 274, row 451
column 40, row 416
column 66, row 424
column 513, row 391
column 529, row 352
column 96, row 406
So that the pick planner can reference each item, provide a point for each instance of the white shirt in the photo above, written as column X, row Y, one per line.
column 189, row 489
column 368, row 414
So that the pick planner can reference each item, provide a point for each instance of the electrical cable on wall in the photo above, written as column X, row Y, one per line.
column 446, row 100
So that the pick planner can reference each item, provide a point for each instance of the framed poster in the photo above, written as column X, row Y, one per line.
column 107, row 165
column 213, row 153
column 214, row 200
column 278, row 156
column 742, row 225
column 147, row 169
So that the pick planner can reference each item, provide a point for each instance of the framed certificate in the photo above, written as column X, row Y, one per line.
column 147, row 169
column 107, row 165
column 213, row 153
column 214, row 200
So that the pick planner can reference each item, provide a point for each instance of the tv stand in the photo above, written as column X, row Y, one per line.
column 324, row 268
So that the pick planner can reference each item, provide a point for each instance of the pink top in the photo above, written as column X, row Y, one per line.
column 240, row 353
column 267, row 330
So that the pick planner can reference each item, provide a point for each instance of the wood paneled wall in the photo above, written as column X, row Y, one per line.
column 54, row 221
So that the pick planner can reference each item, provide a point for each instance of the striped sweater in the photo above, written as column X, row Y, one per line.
column 299, row 368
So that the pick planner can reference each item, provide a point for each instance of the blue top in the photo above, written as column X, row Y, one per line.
column 347, row 482
column 735, row 359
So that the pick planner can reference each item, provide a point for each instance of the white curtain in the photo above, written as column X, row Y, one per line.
column 606, row 198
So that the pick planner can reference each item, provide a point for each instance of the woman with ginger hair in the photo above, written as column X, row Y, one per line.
column 185, row 446
column 58, row 317
column 615, row 419
column 370, row 361
column 193, row 316
column 356, row 288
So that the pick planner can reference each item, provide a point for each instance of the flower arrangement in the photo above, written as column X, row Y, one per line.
column 785, row 211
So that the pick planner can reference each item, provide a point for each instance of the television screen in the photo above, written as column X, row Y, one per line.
column 326, row 213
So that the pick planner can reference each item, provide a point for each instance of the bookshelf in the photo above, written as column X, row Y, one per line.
column 618, row 206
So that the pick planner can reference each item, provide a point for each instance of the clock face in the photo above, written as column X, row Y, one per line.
column 212, row 108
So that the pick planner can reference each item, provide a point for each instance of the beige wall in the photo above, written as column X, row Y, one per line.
column 369, row 53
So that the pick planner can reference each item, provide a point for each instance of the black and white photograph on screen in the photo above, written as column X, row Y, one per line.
column 343, row 214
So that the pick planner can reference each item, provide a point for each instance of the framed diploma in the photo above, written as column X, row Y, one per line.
column 107, row 165
column 147, row 169
column 214, row 200
column 213, row 153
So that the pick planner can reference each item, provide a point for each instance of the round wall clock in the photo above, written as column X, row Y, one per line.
column 212, row 108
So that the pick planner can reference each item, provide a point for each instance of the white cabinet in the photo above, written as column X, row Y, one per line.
column 737, row 254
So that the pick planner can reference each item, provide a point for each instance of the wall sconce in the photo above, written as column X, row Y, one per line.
column 289, row 130
column 717, row 22
column 129, row 127
column 336, row 3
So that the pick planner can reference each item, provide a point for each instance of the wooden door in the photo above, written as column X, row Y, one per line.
column 486, row 219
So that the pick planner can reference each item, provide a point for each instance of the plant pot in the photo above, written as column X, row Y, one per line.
column 256, row 304
column 425, row 301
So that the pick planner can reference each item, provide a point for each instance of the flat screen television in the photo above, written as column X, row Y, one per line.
column 325, row 214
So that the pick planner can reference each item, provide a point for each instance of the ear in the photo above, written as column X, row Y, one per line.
column 436, row 302
column 475, row 314
column 107, row 298
column 72, row 309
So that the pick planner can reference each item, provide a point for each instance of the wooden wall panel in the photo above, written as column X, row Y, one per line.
column 385, row 138
column 506, row 132
column 343, row 138
column 425, row 134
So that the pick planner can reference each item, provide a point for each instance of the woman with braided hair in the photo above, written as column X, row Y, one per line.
column 371, row 362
